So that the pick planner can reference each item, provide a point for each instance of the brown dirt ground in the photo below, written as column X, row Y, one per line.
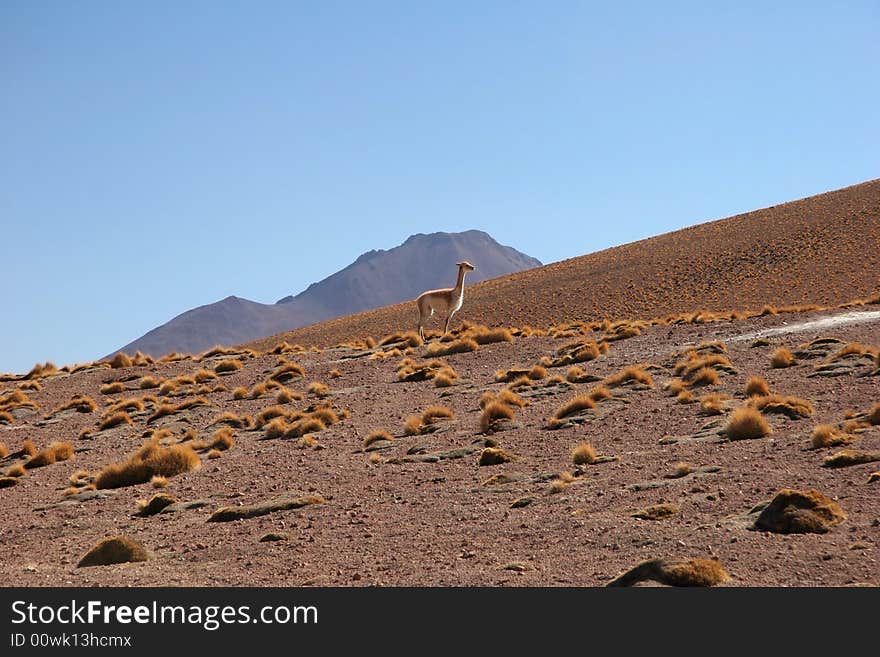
column 439, row 523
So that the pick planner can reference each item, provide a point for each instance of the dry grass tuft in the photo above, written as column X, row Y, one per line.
column 696, row 572
column 376, row 436
column 686, row 396
column 583, row 454
column 873, row 415
column 79, row 403
column 305, row 426
column 228, row 366
column 121, row 360
column 168, row 388
column 627, row 374
column 746, row 423
column 203, row 375
column 117, row 549
column 132, row 404
column 334, row 373
column 158, row 481
column 494, row 412
column 16, row 470
column 28, row 448
column 413, row 425
column 562, row 481
column 712, row 404
column 782, row 357
column 576, row 405
column 509, row 397
column 112, row 388
column 493, row 456
column 115, row 420
column 240, row 393
column 756, row 386
column 4, row 451
column 286, row 396
column 410, row 338
column 537, row 373
column 286, row 372
column 827, row 435
column 42, row 370
column 705, row 376
column 6, row 417
column 57, row 451
column 792, row 407
column 657, row 512
column 220, row 441
column 149, row 382
column 150, row 460
column 8, row 482
column 434, row 413
column 485, row 335
column 800, row 512
column 460, row 346
column 276, row 428
column 319, row 389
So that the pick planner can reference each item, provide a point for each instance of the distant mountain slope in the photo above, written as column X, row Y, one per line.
column 824, row 249
column 375, row 279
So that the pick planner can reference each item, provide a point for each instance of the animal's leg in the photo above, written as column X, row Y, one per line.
column 448, row 318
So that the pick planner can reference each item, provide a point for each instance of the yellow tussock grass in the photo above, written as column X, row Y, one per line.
column 460, row 346
column 318, row 389
column 149, row 382
column 57, row 451
column 509, row 397
column 756, row 386
column 494, row 412
column 746, row 423
column 434, row 413
column 575, row 405
column 376, row 436
column 203, row 375
column 16, row 470
column 79, row 403
column 827, row 435
column 121, row 360
column 562, row 481
column 150, row 460
column 631, row 373
column 413, row 425
column 112, row 388
column 583, row 454
column 228, row 366
column 781, row 358
column 114, row 420
column 493, row 456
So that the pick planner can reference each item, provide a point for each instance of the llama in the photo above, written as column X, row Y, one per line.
column 447, row 299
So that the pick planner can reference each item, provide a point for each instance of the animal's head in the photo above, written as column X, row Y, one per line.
column 465, row 265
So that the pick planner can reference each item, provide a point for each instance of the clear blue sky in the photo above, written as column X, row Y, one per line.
column 162, row 155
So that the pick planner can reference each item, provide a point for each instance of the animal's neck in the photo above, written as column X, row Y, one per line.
column 459, row 284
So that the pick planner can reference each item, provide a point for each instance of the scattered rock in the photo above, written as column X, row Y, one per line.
column 284, row 503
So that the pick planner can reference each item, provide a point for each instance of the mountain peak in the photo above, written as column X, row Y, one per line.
column 376, row 278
